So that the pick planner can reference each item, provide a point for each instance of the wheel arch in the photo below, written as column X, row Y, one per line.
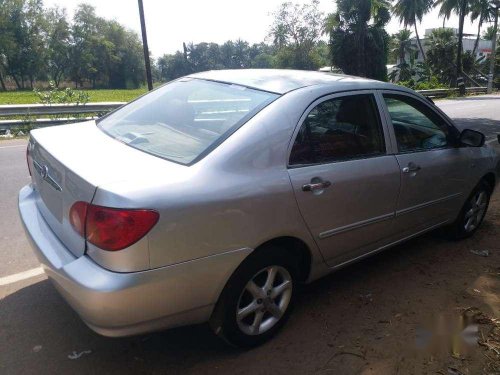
column 490, row 180
column 296, row 247
column 293, row 245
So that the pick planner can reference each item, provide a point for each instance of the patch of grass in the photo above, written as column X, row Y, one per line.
column 29, row 97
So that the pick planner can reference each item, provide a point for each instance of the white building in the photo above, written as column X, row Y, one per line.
column 468, row 40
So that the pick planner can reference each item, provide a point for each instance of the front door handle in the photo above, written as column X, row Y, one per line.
column 412, row 167
column 316, row 186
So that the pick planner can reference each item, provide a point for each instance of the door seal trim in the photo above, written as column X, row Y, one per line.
column 356, row 225
column 426, row 204
column 384, row 247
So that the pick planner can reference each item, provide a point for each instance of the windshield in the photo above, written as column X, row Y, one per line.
column 184, row 120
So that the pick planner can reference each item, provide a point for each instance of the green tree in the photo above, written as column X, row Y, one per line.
column 104, row 52
column 234, row 55
column 321, row 53
column 330, row 22
column 403, row 46
column 410, row 12
column 461, row 8
column 242, row 54
column 359, row 44
column 261, row 56
column 482, row 11
column 489, row 33
column 58, row 44
column 295, row 32
column 442, row 47
column 173, row 66
column 123, row 56
column 83, row 52
column 22, row 47
column 7, row 44
column 203, row 56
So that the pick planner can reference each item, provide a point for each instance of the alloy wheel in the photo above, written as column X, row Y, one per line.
column 264, row 300
column 477, row 209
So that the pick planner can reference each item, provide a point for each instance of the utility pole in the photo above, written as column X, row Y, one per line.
column 459, row 68
column 493, row 52
column 145, row 45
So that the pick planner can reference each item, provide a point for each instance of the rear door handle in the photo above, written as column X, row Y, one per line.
column 412, row 167
column 316, row 186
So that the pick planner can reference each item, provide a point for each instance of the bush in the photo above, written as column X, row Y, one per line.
column 56, row 96
column 430, row 84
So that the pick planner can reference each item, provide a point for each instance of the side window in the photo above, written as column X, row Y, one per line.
column 339, row 129
column 416, row 126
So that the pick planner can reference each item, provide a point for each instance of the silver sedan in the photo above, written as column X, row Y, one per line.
column 213, row 197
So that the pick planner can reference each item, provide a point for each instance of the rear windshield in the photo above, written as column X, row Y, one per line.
column 184, row 120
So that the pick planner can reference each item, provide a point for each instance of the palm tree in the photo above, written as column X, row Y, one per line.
column 279, row 36
column 379, row 6
column 493, row 57
column 482, row 11
column 403, row 46
column 441, row 51
column 462, row 9
column 330, row 22
column 358, row 44
column 410, row 12
column 489, row 33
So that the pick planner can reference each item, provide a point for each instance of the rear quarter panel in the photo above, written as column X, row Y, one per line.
column 237, row 197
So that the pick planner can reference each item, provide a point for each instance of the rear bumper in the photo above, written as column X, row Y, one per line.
column 122, row 304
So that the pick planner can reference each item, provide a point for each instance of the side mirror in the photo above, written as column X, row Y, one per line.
column 472, row 138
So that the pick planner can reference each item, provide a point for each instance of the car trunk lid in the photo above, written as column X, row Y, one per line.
column 69, row 162
column 57, row 189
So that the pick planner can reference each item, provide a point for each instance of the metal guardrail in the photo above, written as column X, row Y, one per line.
column 441, row 93
column 22, row 114
column 56, row 109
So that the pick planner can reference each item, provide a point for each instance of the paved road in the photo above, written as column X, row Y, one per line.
column 32, row 314
column 477, row 112
column 15, row 253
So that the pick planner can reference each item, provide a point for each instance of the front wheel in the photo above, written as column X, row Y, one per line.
column 257, row 299
column 472, row 214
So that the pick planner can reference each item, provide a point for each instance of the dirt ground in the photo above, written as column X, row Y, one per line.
column 400, row 312
column 379, row 316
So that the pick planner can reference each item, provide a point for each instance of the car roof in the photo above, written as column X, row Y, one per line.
column 281, row 81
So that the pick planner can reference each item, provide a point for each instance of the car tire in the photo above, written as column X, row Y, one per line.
column 258, row 298
column 472, row 213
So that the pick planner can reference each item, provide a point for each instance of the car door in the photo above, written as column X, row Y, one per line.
column 434, row 172
column 345, row 182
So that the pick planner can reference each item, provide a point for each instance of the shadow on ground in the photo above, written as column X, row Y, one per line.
column 360, row 318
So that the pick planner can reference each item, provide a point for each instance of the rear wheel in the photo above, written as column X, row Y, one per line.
column 472, row 214
column 257, row 299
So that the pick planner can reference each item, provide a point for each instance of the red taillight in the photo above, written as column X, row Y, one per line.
column 111, row 228
column 77, row 217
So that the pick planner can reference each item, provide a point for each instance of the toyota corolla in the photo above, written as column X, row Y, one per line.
column 213, row 197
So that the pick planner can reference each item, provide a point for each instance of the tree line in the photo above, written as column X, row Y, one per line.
column 42, row 44
column 38, row 44
column 294, row 42
column 445, row 59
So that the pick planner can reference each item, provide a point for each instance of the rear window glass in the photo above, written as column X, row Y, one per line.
column 184, row 120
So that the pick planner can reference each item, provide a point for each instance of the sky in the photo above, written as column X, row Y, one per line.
column 169, row 23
